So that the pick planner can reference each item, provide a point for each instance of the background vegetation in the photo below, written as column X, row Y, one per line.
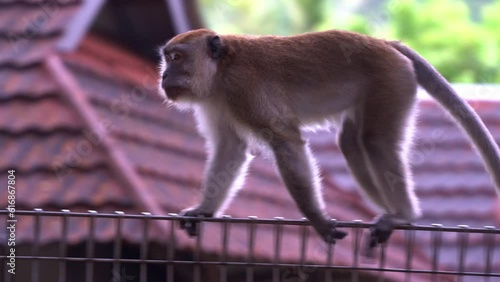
column 460, row 38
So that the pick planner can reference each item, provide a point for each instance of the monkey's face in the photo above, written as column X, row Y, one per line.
column 177, row 73
column 189, row 63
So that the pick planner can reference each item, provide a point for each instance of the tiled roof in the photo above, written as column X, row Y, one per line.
column 44, row 135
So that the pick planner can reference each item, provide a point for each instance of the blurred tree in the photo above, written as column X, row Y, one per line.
column 444, row 32
column 491, row 56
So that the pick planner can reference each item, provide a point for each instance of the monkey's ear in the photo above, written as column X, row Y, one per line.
column 216, row 47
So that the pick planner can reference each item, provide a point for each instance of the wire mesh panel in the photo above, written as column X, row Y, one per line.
column 91, row 246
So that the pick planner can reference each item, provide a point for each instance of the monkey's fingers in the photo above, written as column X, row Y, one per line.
column 375, row 238
column 191, row 227
column 379, row 236
column 382, row 230
column 334, row 235
column 369, row 245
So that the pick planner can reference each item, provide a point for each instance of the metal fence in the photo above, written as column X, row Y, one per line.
column 235, row 252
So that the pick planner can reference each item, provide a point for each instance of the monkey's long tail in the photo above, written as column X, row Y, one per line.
column 437, row 86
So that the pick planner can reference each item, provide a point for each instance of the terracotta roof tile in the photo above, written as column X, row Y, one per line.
column 152, row 133
column 47, row 114
column 92, row 188
column 33, row 83
column 41, row 135
column 104, row 59
column 116, row 99
column 122, row 101
column 179, row 165
column 171, row 194
column 35, row 20
column 22, row 53
column 444, row 181
column 29, row 30
column 33, row 151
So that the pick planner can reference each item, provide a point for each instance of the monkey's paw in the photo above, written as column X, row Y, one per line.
column 333, row 236
column 330, row 234
column 380, row 232
column 191, row 225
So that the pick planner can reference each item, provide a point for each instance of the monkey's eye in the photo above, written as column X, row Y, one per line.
column 173, row 57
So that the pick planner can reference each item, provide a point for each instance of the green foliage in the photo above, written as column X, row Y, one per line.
column 443, row 32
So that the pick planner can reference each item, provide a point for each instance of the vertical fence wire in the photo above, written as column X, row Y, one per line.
column 63, row 246
column 355, row 254
column 381, row 263
column 35, row 264
column 409, row 244
column 330, row 248
column 303, row 251
column 171, row 250
column 489, row 240
column 117, row 248
column 90, row 250
column 278, row 228
column 437, row 237
column 225, row 239
column 197, row 254
column 143, row 272
column 463, row 239
column 251, row 249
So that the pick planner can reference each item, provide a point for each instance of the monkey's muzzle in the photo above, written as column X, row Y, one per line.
column 172, row 89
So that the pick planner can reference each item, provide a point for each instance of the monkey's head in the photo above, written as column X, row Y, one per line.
column 188, row 65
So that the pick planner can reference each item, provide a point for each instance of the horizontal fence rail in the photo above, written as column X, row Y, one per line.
column 235, row 249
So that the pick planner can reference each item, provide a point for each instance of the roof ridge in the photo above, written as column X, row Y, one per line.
column 118, row 162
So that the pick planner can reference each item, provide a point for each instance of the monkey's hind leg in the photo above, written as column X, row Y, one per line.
column 384, row 142
column 298, row 170
column 348, row 140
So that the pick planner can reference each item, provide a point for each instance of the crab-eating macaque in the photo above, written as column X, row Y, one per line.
column 265, row 89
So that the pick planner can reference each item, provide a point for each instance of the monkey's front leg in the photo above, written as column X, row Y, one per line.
column 298, row 170
column 227, row 162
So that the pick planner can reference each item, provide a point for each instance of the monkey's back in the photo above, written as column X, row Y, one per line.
column 317, row 57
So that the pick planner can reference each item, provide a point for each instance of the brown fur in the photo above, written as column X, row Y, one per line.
column 266, row 88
